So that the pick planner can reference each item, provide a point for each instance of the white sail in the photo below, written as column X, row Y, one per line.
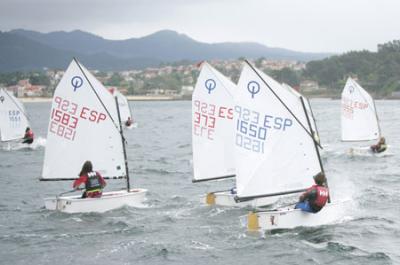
column 307, row 104
column 124, row 109
column 273, row 152
column 359, row 119
column 83, row 126
column 212, row 125
column 13, row 120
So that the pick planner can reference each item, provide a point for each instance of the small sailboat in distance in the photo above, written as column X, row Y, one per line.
column 213, row 133
column 85, row 124
column 124, row 108
column 276, row 153
column 13, row 118
column 359, row 119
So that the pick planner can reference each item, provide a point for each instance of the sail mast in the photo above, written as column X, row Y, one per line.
column 377, row 119
column 314, row 121
column 315, row 145
column 312, row 132
column 128, row 187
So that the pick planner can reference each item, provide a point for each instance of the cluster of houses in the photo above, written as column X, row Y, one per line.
column 25, row 89
column 139, row 78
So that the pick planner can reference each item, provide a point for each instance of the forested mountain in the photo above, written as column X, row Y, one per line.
column 30, row 50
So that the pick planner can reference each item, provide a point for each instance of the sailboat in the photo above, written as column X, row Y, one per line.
column 276, row 153
column 13, row 119
column 124, row 108
column 359, row 120
column 213, row 135
column 85, row 124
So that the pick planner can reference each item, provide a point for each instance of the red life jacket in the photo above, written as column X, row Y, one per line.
column 322, row 196
column 29, row 134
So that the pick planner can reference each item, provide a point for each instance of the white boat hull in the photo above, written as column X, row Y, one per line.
column 288, row 218
column 18, row 145
column 108, row 201
column 366, row 151
column 228, row 199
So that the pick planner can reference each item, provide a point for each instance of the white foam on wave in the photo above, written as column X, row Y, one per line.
column 15, row 146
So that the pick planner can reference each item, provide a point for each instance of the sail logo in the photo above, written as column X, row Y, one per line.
column 76, row 82
column 351, row 89
column 2, row 99
column 210, row 85
column 323, row 193
column 253, row 87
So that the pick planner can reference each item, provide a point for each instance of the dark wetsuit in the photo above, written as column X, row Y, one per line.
column 378, row 148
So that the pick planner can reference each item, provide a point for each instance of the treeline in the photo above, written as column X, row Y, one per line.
column 378, row 72
column 35, row 78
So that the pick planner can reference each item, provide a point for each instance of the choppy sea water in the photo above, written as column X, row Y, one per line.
column 175, row 227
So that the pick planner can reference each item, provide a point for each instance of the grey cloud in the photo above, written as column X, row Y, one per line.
column 306, row 25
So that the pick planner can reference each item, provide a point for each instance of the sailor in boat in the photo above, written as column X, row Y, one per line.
column 93, row 181
column 315, row 198
column 380, row 146
column 128, row 122
column 28, row 137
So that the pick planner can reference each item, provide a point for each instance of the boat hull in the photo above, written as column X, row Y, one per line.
column 366, row 151
column 288, row 218
column 228, row 199
column 108, row 201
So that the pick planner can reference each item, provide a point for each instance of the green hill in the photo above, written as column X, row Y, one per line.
column 378, row 72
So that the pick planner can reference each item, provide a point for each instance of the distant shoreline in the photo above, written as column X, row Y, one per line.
column 130, row 98
column 171, row 98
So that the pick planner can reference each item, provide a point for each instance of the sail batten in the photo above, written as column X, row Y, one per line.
column 275, row 153
column 82, row 127
column 212, row 126
column 359, row 120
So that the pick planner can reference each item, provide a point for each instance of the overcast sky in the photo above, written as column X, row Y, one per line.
column 303, row 25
